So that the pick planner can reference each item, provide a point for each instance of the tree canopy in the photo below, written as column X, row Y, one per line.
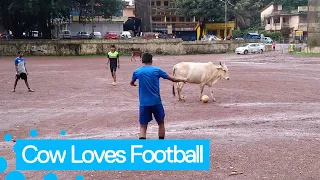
column 23, row 15
column 246, row 12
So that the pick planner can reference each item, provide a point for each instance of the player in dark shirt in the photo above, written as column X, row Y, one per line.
column 113, row 60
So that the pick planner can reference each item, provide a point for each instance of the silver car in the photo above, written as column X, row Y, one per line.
column 66, row 34
column 96, row 35
column 83, row 35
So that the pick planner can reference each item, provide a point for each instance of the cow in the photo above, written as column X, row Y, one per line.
column 199, row 73
column 134, row 53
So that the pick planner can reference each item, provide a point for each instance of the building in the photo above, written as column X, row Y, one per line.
column 217, row 29
column 292, row 25
column 143, row 12
column 162, row 16
column 77, row 23
column 128, row 11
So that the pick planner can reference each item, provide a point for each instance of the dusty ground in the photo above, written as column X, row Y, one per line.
column 265, row 124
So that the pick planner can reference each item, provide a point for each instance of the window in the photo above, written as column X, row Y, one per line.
column 181, row 19
column 152, row 3
column 173, row 19
column 285, row 20
column 158, row 3
column 188, row 19
column 157, row 19
column 168, row 19
column 153, row 19
column 166, row 3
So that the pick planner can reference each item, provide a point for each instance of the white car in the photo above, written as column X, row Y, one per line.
column 65, row 34
column 210, row 38
column 250, row 48
column 125, row 35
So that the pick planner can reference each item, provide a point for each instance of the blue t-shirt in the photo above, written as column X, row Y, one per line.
column 149, row 86
column 20, row 62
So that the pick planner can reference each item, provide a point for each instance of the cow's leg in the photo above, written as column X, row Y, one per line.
column 201, row 90
column 179, row 89
column 211, row 91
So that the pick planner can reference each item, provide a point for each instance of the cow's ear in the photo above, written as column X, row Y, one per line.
column 220, row 67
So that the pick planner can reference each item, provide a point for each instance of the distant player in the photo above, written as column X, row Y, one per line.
column 21, row 71
column 149, row 94
column 274, row 45
column 113, row 59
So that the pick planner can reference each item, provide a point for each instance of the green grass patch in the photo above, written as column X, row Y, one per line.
column 307, row 54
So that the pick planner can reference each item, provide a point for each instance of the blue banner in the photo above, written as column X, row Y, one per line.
column 112, row 154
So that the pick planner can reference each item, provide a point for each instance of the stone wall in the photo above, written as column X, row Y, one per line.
column 99, row 47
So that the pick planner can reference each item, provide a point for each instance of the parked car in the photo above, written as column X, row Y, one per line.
column 149, row 35
column 267, row 40
column 239, row 39
column 250, row 48
column 96, row 35
column 167, row 36
column 111, row 35
column 65, row 34
column 253, row 36
column 210, row 38
column 262, row 47
column 125, row 35
column 3, row 36
column 83, row 35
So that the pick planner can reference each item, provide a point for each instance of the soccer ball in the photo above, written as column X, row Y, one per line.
column 205, row 98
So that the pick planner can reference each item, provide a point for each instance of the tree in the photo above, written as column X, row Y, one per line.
column 24, row 15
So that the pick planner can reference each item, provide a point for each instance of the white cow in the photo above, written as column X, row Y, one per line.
column 199, row 73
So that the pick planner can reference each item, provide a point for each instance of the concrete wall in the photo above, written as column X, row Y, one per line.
column 312, row 50
column 93, row 47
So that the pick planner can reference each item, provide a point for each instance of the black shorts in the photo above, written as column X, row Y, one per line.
column 113, row 68
column 22, row 76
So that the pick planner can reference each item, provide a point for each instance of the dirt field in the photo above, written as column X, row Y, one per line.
column 264, row 125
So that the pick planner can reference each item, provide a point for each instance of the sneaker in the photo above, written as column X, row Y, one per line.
column 114, row 83
column 30, row 90
column 14, row 90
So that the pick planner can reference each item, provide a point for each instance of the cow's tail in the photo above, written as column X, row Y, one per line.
column 174, row 74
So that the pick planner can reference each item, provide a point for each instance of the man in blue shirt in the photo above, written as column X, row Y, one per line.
column 149, row 94
column 21, row 71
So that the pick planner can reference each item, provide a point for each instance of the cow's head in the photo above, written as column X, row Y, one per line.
column 223, row 71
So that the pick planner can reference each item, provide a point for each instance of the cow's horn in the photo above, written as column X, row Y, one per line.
column 220, row 63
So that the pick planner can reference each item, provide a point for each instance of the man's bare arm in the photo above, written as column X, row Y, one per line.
column 175, row 79
column 133, row 83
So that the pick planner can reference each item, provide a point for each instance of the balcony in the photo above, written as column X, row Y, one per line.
column 303, row 26
column 165, row 10
column 285, row 25
column 176, row 26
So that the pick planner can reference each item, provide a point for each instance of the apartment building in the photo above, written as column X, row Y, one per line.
column 293, row 25
column 162, row 16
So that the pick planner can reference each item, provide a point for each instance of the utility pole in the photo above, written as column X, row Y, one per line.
column 150, row 9
column 225, row 18
column 92, row 15
column 308, row 19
